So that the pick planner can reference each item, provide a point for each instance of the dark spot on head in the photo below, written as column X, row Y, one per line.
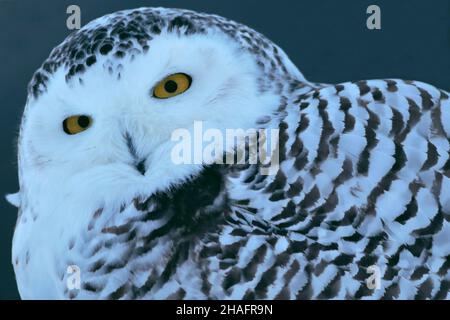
column 99, row 36
column 91, row 60
column 125, row 45
column 124, row 35
column 156, row 29
column 79, row 55
column 79, row 68
column 119, row 54
column 47, row 67
column 105, row 49
column 182, row 22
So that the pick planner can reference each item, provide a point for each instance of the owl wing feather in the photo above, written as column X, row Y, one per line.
column 360, row 192
column 363, row 182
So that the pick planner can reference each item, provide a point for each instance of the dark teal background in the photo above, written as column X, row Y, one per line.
column 327, row 39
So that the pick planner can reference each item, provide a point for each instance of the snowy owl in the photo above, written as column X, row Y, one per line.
column 358, row 208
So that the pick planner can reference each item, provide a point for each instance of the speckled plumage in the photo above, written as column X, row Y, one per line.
column 363, row 180
column 129, row 33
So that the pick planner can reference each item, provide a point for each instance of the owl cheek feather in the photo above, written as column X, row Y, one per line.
column 14, row 199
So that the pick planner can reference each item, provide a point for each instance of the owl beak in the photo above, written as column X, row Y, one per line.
column 140, row 167
column 138, row 163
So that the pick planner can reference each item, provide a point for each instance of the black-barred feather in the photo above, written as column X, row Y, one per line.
column 363, row 183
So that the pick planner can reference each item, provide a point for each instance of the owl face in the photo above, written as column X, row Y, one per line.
column 103, row 138
column 120, row 115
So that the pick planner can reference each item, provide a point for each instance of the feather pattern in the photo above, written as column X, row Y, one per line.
column 373, row 197
column 363, row 181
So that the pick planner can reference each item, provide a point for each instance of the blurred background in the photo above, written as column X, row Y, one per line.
column 328, row 40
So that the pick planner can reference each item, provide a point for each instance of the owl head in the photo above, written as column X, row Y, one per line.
column 108, row 98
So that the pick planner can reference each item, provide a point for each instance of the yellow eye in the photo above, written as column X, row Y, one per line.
column 76, row 124
column 172, row 86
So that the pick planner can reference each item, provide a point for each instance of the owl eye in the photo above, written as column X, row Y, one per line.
column 172, row 86
column 76, row 124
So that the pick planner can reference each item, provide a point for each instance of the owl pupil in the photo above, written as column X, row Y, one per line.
column 171, row 86
column 83, row 121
